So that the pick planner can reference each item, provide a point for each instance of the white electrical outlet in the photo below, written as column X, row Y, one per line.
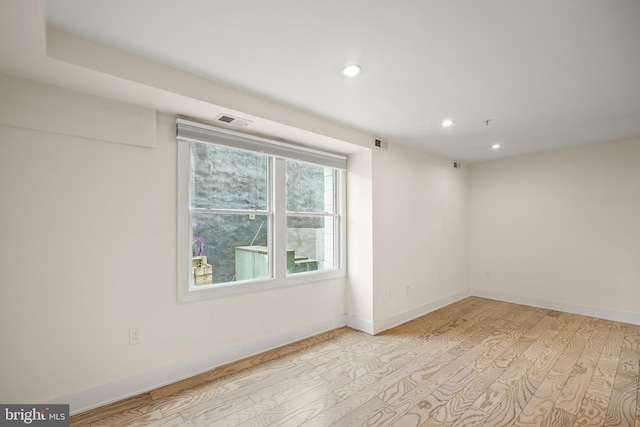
column 134, row 336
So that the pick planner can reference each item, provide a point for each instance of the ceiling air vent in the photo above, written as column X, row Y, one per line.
column 380, row 143
column 234, row 121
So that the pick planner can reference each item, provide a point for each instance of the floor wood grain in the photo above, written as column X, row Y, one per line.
column 477, row 362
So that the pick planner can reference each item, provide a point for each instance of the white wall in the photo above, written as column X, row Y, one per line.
column 88, row 247
column 359, row 292
column 421, row 236
column 560, row 229
column 88, row 251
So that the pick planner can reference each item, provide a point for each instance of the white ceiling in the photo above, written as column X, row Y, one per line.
column 546, row 73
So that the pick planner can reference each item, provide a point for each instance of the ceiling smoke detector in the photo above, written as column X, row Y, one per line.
column 234, row 121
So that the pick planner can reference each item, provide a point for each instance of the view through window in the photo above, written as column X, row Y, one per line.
column 255, row 216
column 229, row 210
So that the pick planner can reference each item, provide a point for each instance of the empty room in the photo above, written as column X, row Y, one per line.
column 320, row 213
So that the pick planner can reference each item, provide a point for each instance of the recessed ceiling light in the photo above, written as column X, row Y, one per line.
column 496, row 146
column 447, row 123
column 351, row 70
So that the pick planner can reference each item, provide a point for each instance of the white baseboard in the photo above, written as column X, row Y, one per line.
column 600, row 313
column 112, row 392
column 404, row 317
column 360, row 325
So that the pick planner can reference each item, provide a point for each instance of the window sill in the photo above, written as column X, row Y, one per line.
column 201, row 293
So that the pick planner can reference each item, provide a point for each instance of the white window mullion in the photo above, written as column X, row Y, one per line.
column 280, row 218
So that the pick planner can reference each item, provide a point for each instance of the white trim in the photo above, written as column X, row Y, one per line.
column 340, row 192
column 584, row 310
column 276, row 210
column 183, row 153
column 360, row 325
column 399, row 319
column 108, row 393
column 105, row 394
column 250, row 286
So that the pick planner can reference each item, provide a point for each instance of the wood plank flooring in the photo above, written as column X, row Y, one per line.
column 477, row 362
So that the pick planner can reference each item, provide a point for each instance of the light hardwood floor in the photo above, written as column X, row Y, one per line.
column 477, row 362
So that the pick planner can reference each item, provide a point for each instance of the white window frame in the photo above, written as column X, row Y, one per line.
column 278, row 153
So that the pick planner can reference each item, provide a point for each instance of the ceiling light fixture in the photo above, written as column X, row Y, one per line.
column 351, row 70
column 447, row 123
column 496, row 146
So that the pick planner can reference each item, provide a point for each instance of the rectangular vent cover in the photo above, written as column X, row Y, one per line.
column 380, row 143
column 231, row 120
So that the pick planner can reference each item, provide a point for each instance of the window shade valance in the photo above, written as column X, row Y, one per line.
column 191, row 131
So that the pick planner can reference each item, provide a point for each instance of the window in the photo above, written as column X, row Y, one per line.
column 255, row 213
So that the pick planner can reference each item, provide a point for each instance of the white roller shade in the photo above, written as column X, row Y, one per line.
column 196, row 132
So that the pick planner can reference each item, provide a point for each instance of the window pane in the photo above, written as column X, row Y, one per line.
column 310, row 244
column 223, row 178
column 310, row 188
column 234, row 246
